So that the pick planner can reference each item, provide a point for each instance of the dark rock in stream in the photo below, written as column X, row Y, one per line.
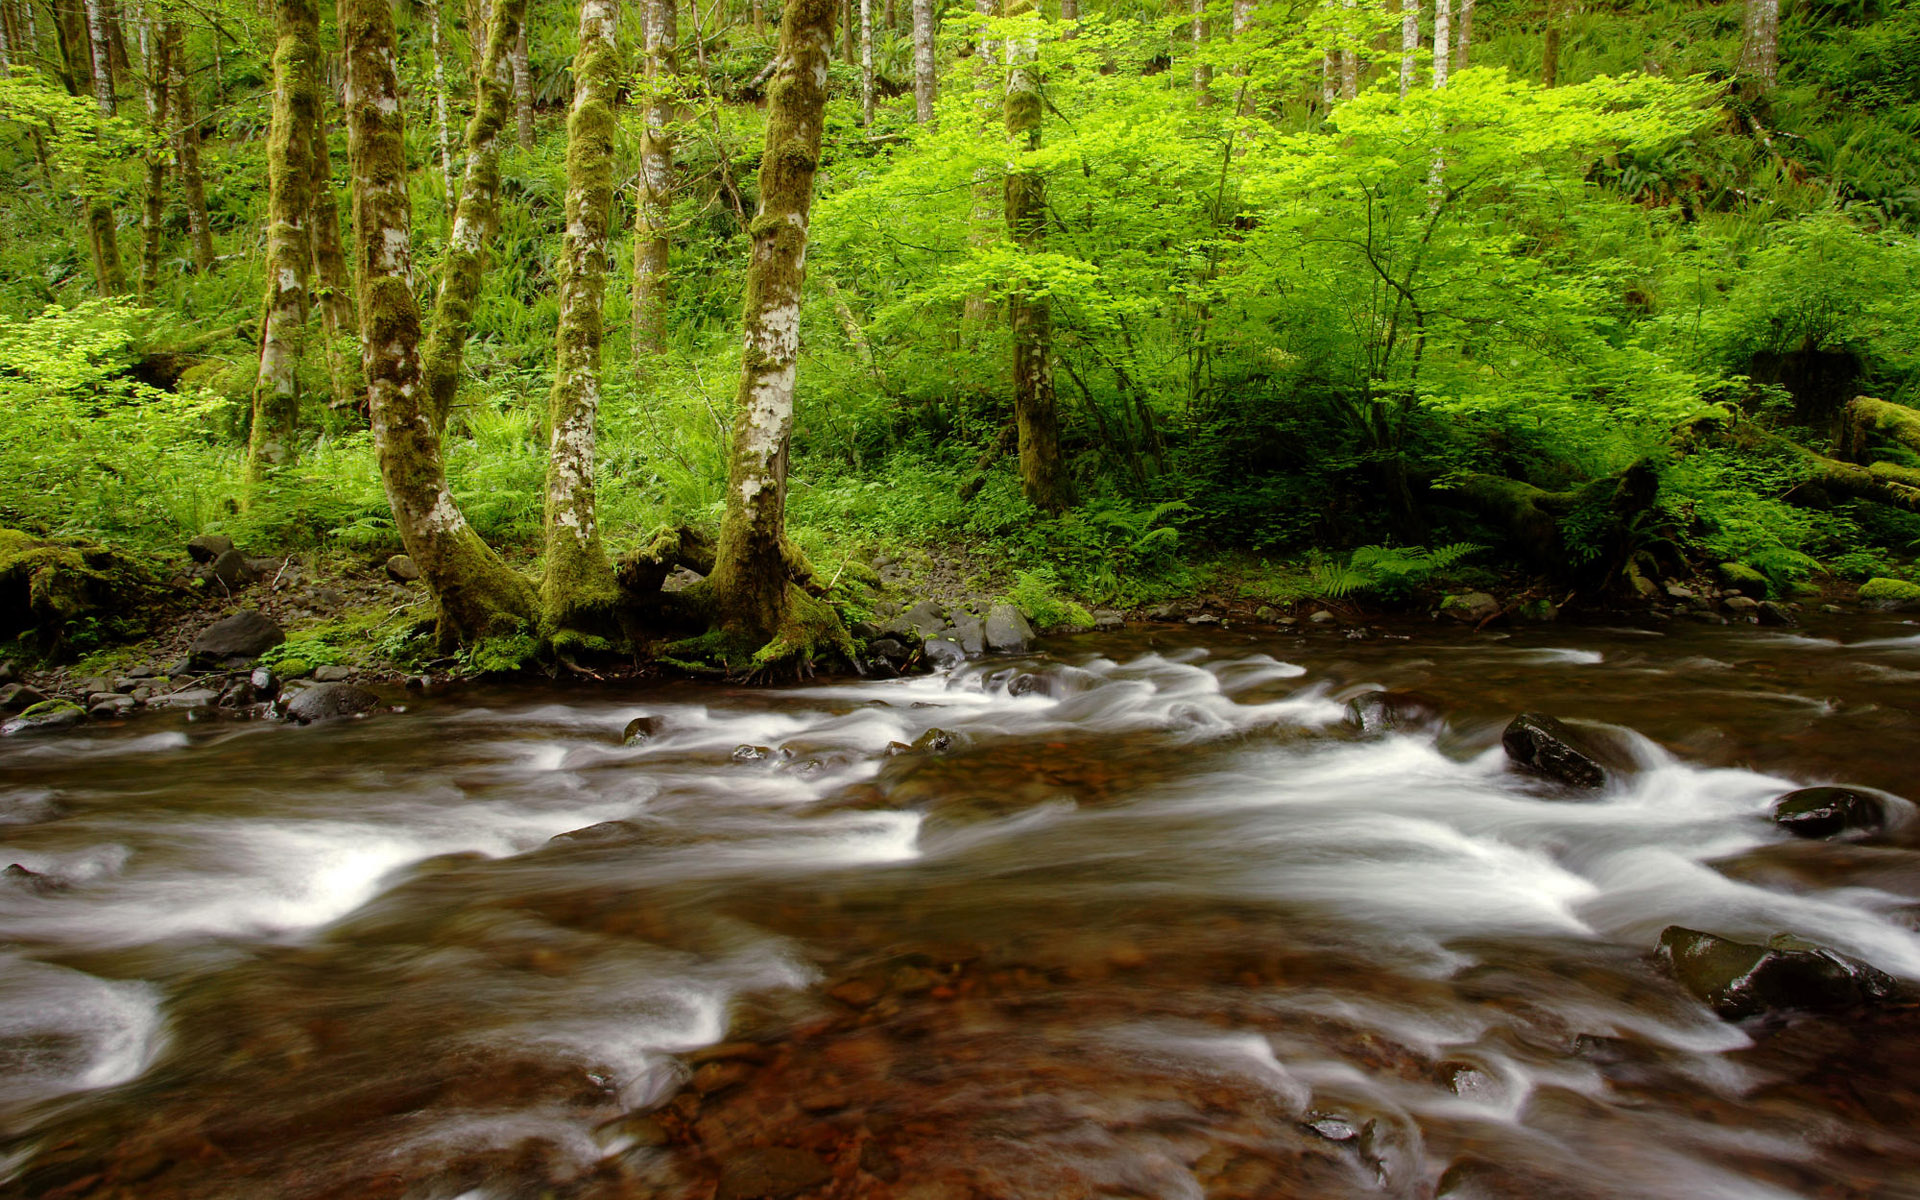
column 1007, row 630
column 1740, row 979
column 1398, row 712
column 943, row 652
column 1774, row 613
column 639, row 730
column 45, row 717
column 31, row 882
column 326, row 701
column 18, row 697
column 266, row 684
column 248, row 633
column 746, row 754
column 1580, row 758
column 971, row 633
column 936, row 741
column 1822, row 812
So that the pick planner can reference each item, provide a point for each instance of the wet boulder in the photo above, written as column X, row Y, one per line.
column 971, row 633
column 944, row 652
column 1823, row 812
column 889, row 649
column 639, row 730
column 326, row 701
column 927, row 618
column 1742, row 979
column 31, row 882
column 936, row 741
column 18, row 697
column 45, row 717
column 1397, row 712
column 248, row 634
column 1890, row 595
column 1580, row 757
column 1007, row 630
column 1470, row 607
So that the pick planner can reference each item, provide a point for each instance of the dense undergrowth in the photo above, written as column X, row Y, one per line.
column 1283, row 340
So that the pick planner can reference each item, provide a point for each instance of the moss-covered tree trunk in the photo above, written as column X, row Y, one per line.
column 475, row 217
column 752, row 581
column 108, row 272
column 333, row 286
column 186, row 118
column 653, row 207
column 152, row 216
column 479, row 17
column 478, row 596
column 1030, row 314
column 296, row 97
column 924, row 78
column 578, row 593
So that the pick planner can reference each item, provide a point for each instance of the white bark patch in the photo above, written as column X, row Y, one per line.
column 777, row 333
column 444, row 517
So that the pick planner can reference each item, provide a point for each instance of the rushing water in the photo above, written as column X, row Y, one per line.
column 1158, row 923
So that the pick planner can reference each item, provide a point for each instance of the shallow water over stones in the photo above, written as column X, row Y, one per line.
column 1153, row 919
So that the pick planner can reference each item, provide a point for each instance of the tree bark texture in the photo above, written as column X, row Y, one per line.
column 479, row 16
column 1442, row 39
column 753, row 570
column 578, row 593
column 1202, row 69
column 475, row 218
column 153, row 215
column 1031, row 316
column 442, row 138
column 332, row 286
column 924, row 80
column 1464, row 48
column 1760, row 43
column 988, row 196
column 477, row 595
column 1409, row 43
column 109, row 273
column 296, row 102
column 186, row 118
column 1349, row 54
column 866, row 64
column 653, row 210
column 523, row 89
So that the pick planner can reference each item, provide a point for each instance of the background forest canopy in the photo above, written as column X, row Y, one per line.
column 1585, row 288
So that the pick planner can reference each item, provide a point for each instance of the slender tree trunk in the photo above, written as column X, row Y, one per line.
column 1202, row 69
column 523, row 89
column 154, row 50
column 1550, row 52
column 1330, row 78
column 11, row 45
column 477, row 595
column 1070, row 17
column 1760, row 43
column 866, row 64
column 443, row 140
column 193, row 188
column 333, row 287
column 578, row 593
column 1350, row 54
column 296, row 96
column 1409, row 43
column 988, row 196
column 846, row 31
column 1243, row 21
column 1030, row 315
column 652, row 242
column 1464, row 49
column 923, row 73
column 479, row 15
column 759, row 18
column 109, row 274
column 752, row 581
column 1442, row 38
column 474, row 219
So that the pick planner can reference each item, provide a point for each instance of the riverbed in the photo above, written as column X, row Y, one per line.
column 1143, row 916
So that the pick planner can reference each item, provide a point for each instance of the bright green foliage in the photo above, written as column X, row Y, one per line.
column 1383, row 571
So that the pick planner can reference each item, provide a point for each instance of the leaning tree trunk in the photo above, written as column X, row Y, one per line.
column 923, row 73
column 578, row 594
column 652, row 233
column 296, row 104
column 477, row 595
column 193, row 187
column 153, row 215
column 1760, row 43
column 333, row 287
column 108, row 272
column 1030, row 315
column 752, row 583
column 474, row 218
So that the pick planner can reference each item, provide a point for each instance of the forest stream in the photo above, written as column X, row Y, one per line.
column 1150, row 917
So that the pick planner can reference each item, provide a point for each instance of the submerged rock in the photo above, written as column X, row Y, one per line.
column 326, row 701
column 1741, row 979
column 936, row 741
column 1822, row 812
column 31, row 882
column 248, row 633
column 639, row 730
column 1404, row 712
column 1580, row 758
column 1007, row 630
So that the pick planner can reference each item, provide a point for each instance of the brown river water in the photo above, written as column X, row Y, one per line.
column 1157, row 923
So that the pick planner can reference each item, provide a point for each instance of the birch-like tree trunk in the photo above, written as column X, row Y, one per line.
column 924, row 80
column 752, row 582
column 578, row 594
column 1243, row 21
column 186, row 119
column 442, row 138
column 866, row 64
column 1202, row 69
column 1030, row 315
column 154, row 50
column 988, row 195
column 108, row 272
column 1760, row 43
column 1463, row 50
column 1350, row 53
column 332, row 286
column 1409, row 43
column 477, row 595
column 523, row 89
column 1442, row 38
column 296, row 96
column 653, row 208
column 474, row 219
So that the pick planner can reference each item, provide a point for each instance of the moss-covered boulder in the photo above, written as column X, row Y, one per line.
column 1744, row 579
column 1890, row 595
column 44, row 717
column 49, row 585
